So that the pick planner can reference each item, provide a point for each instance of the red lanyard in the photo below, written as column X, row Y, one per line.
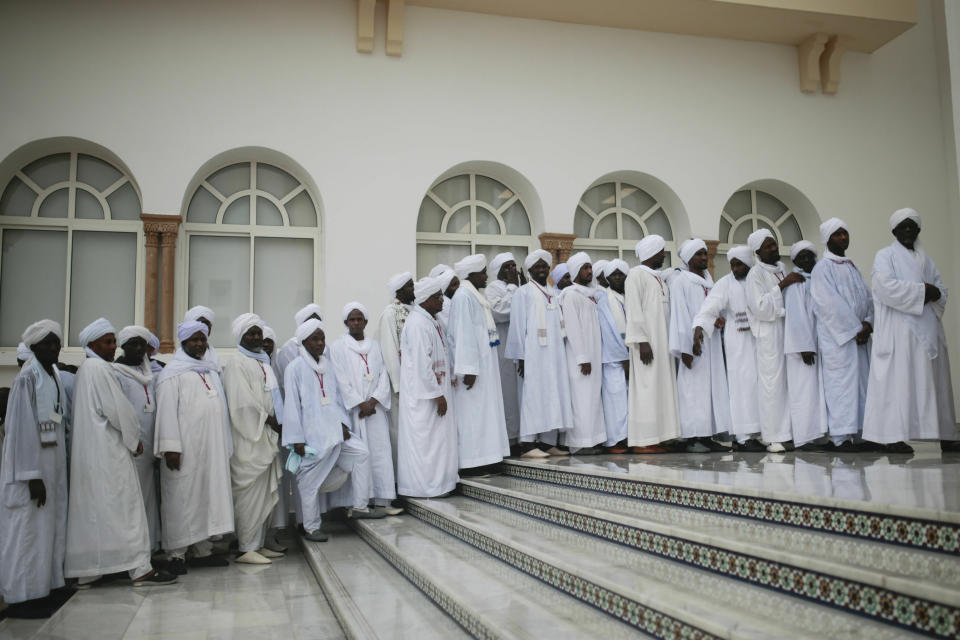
column 323, row 391
column 147, row 393
column 549, row 298
column 440, row 333
column 264, row 373
column 779, row 277
column 204, row 381
column 365, row 363
column 705, row 291
column 660, row 282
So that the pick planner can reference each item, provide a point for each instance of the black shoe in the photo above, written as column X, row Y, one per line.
column 155, row 579
column 210, row 561
column 750, row 446
column 950, row 446
column 713, row 445
column 177, row 567
column 29, row 610
column 898, row 447
column 849, row 446
column 815, row 447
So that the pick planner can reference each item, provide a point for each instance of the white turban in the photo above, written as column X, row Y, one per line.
column 577, row 262
column 616, row 265
column 440, row 268
column 350, row 306
column 650, row 246
column 445, row 278
column 397, row 281
column 470, row 264
column 301, row 316
column 802, row 245
column 755, row 239
column 424, row 288
column 741, row 253
column 95, row 330
column 189, row 327
column 133, row 331
column 40, row 330
column 243, row 323
column 23, row 352
column 902, row 214
column 598, row 267
column 499, row 260
column 830, row 227
column 558, row 272
column 153, row 341
column 197, row 312
column 535, row 257
column 269, row 333
column 308, row 328
column 690, row 247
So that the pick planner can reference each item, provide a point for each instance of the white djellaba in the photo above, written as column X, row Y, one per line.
column 612, row 309
column 500, row 296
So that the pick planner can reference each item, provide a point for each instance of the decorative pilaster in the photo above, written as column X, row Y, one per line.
column 152, row 242
column 711, row 254
column 808, row 57
column 560, row 245
column 161, row 232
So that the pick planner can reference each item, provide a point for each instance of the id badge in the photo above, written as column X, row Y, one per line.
column 551, row 306
column 266, row 388
column 324, row 400
column 55, row 417
column 212, row 393
column 148, row 408
column 368, row 377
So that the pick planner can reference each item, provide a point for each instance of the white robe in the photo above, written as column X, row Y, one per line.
column 287, row 353
column 808, row 411
column 427, row 446
column 254, row 465
column 107, row 528
column 545, row 403
column 582, row 322
column 765, row 312
column 654, row 415
column 910, row 395
column 32, row 539
column 500, row 295
column 727, row 299
column 614, row 353
column 702, row 394
column 481, row 428
column 842, row 303
column 388, row 332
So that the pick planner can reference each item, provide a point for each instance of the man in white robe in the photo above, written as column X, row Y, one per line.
column 153, row 346
column 205, row 315
column 843, row 305
column 389, row 329
column 726, row 308
column 365, row 390
column 909, row 395
column 808, row 411
column 702, row 394
column 478, row 398
column 33, row 480
column 584, row 351
column 499, row 292
column 615, row 356
column 653, row 417
column 536, row 342
column 449, row 283
column 194, row 442
column 561, row 276
column 286, row 496
column 254, row 401
column 765, row 284
column 290, row 350
column 428, row 454
column 599, row 279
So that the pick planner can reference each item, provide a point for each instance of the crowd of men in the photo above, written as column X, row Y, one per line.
column 104, row 466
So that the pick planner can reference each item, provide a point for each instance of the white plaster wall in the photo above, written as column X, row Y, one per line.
column 167, row 86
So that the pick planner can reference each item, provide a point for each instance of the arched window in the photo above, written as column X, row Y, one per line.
column 471, row 213
column 612, row 216
column 750, row 209
column 252, row 244
column 72, row 246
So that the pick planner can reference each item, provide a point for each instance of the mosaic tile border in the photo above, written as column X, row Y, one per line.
column 927, row 535
column 635, row 614
column 908, row 612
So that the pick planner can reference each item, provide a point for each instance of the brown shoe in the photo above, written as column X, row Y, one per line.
column 655, row 448
column 617, row 449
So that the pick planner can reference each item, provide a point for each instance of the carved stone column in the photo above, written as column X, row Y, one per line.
column 711, row 254
column 560, row 245
column 168, row 250
column 161, row 241
column 152, row 242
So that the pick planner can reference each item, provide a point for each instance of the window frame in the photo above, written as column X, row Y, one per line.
column 726, row 243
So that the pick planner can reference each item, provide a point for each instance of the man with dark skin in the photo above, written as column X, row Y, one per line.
column 356, row 324
column 565, row 282
column 268, row 346
column 838, row 243
column 432, row 305
column 616, row 282
column 194, row 346
column 315, row 344
column 656, row 263
column 499, row 294
column 479, row 280
column 539, row 272
column 47, row 351
column 452, row 288
column 252, row 340
column 698, row 265
column 806, row 260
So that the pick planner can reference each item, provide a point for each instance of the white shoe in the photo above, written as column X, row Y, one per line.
column 776, row 447
column 270, row 553
column 535, row 453
column 252, row 557
column 553, row 451
column 391, row 511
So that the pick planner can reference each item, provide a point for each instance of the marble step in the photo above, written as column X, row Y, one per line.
column 370, row 599
column 616, row 578
column 928, row 579
column 486, row 597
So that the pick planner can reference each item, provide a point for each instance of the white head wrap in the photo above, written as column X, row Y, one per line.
column 189, row 327
column 577, row 262
column 197, row 312
column 23, row 352
column 558, row 272
column 598, row 267
column 440, row 268
column 616, row 265
column 536, row 256
column 269, row 333
column 308, row 328
column 470, row 264
column 445, row 278
column 690, row 247
column 499, row 260
column 830, row 227
column 243, row 323
column 95, row 330
column 133, row 331
column 902, row 214
column 301, row 316
column 40, row 330
column 755, row 239
column 153, row 341
column 350, row 306
column 650, row 246
column 741, row 253
column 802, row 245
column 397, row 281
column 424, row 288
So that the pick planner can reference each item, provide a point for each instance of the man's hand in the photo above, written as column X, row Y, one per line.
column 931, row 293
column 586, row 368
column 346, row 431
column 720, row 322
column 792, row 278
column 441, row 406
column 172, row 458
column 864, row 335
column 646, row 352
column 626, row 369
column 299, row 449
column 38, row 491
column 520, row 368
column 368, row 407
column 273, row 424
column 139, row 451
column 808, row 357
column 469, row 380
column 687, row 360
column 698, row 341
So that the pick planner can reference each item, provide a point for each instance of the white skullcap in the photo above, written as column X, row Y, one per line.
column 802, row 245
column 616, row 265
column 440, row 268
column 197, row 312
column 153, row 341
column 269, row 333
column 424, row 288
column 741, row 253
column 755, row 239
column 830, row 227
column 308, row 328
column 40, row 330
column 576, row 262
column 95, row 330
column 902, row 214
column 690, row 247
column 558, row 272
column 598, row 267
column 23, row 352
column 189, row 327
column 301, row 316
column 499, row 260
column 133, row 331
column 470, row 264
column 243, row 323
column 535, row 257
column 397, row 281
column 650, row 246
column 350, row 306
column 445, row 278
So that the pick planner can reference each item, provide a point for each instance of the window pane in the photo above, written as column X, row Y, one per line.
column 607, row 227
column 268, row 214
column 232, row 179
column 600, row 197
column 203, row 207
column 581, row 223
column 220, row 279
column 430, row 255
column 490, row 250
column 744, row 230
column 487, row 222
column 516, row 220
column 30, row 257
column 282, row 280
column 274, row 181
column 492, row 192
column 300, row 211
column 738, row 205
column 599, row 254
column 125, row 205
column 724, row 230
column 631, row 228
column 636, row 200
column 769, row 206
column 17, row 199
column 659, row 224
column 96, row 173
column 55, row 205
column 238, row 212
column 721, row 266
column 103, row 280
column 431, row 216
column 50, row 170
column 453, row 190
column 459, row 222
column 790, row 231
column 87, row 207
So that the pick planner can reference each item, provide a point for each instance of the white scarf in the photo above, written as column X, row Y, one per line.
column 181, row 363
column 357, row 346
column 492, row 334
column 617, row 310
column 705, row 281
column 659, row 276
column 909, row 266
column 320, row 366
column 142, row 374
column 46, row 409
column 829, row 255
column 542, row 300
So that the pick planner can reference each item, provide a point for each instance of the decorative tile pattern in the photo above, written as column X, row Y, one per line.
column 629, row 611
column 921, row 534
column 914, row 614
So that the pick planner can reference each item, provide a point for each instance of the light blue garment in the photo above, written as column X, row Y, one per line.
column 614, row 390
column 294, row 459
